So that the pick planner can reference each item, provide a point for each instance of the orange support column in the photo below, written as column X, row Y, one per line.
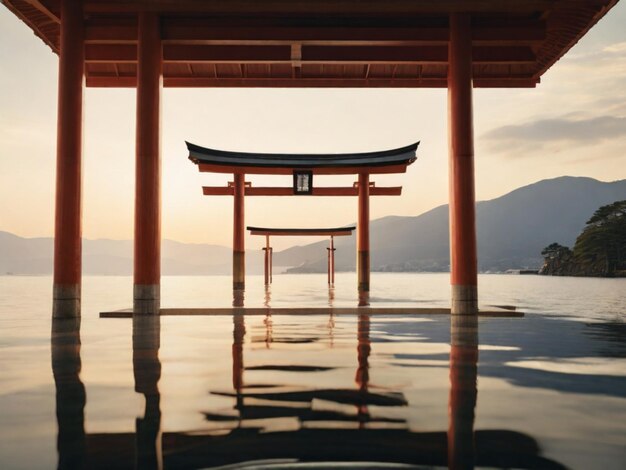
column 267, row 251
column 147, row 278
column 271, row 262
column 463, row 260
column 332, row 260
column 239, row 250
column 363, row 233
column 328, row 265
column 67, row 224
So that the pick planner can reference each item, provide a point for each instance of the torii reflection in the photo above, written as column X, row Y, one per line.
column 463, row 391
column 70, row 393
column 147, row 372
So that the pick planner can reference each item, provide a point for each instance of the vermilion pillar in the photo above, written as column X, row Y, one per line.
column 67, row 224
column 331, row 261
column 239, row 250
column 148, row 167
column 463, row 264
column 363, row 233
column 268, row 251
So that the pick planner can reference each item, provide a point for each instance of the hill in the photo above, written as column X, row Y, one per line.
column 512, row 230
column 33, row 256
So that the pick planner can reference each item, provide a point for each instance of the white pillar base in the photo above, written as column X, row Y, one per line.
column 147, row 299
column 464, row 300
column 66, row 301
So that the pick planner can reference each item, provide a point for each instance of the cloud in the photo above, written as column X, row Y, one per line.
column 617, row 47
column 564, row 131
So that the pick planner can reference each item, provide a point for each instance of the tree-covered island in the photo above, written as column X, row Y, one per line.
column 600, row 249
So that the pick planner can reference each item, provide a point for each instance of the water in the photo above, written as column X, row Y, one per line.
column 544, row 391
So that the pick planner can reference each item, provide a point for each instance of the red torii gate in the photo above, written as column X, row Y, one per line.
column 302, row 232
column 458, row 44
column 302, row 167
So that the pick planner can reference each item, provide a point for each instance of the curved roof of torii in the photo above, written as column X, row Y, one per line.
column 216, row 159
column 336, row 232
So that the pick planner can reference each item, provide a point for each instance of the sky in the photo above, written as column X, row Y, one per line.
column 573, row 123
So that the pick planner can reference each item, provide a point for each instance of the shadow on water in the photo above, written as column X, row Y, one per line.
column 70, row 393
column 345, row 430
column 544, row 352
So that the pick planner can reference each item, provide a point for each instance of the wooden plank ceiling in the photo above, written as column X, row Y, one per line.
column 323, row 43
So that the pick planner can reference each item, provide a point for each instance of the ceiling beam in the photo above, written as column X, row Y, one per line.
column 113, row 81
column 43, row 8
column 363, row 7
column 118, row 53
column 205, row 31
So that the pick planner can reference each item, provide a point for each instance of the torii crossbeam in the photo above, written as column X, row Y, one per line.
column 303, row 167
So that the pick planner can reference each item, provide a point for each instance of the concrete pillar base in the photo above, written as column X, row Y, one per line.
column 66, row 301
column 147, row 299
column 464, row 300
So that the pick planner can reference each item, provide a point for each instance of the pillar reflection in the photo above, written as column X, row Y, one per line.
column 238, row 297
column 463, row 391
column 239, row 332
column 147, row 372
column 364, row 349
column 364, row 298
column 70, row 393
column 267, row 299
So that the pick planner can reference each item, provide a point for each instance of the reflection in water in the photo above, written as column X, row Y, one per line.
column 269, row 330
column 364, row 298
column 362, row 373
column 331, row 296
column 70, row 392
column 267, row 300
column 463, row 391
column 147, row 372
column 239, row 333
column 238, row 297
column 298, row 411
column 331, row 330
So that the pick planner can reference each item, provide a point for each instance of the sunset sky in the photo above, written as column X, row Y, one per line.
column 573, row 123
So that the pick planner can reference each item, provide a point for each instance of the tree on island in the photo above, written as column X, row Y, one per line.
column 600, row 249
column 602, row 244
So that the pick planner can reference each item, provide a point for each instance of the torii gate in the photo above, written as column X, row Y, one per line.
column 302, row 232
column 302, row 167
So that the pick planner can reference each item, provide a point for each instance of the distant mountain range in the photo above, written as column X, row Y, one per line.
column 33, row 256
column 512, row 231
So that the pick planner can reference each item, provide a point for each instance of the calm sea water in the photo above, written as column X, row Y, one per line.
column 544, row 391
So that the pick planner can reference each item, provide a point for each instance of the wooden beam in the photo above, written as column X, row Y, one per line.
column 288, row 191
column 99, row 53
column 113, row 81
column 268, row 7
column 54, row 17
column 286, row 31
column 253, row 170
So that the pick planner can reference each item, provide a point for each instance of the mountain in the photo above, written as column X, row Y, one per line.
column 512, row 230
column 33, row 256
